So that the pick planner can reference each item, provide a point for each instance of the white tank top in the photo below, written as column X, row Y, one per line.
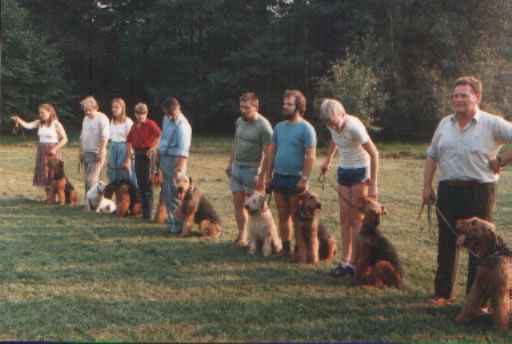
column 48, row 134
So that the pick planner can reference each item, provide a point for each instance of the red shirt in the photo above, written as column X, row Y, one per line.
column 143, row 135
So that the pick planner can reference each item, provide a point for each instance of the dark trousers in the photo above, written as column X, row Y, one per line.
column 458, row 202
column 142, row 171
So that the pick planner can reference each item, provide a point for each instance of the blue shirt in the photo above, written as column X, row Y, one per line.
column 176, row 137
column 291, row 141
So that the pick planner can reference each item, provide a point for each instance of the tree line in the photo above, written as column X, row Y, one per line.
column 391, row 62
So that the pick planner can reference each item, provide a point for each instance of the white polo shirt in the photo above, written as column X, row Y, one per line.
column 464, row 154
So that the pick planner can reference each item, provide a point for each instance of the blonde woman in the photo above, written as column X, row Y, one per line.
column 120, row 126
column 357, row 174
column 52, row 137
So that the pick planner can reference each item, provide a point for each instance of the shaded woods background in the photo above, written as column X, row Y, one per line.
column 392, row 62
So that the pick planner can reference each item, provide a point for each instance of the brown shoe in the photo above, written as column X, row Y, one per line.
column 439, row 301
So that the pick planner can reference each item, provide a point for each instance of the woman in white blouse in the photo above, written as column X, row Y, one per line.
column 119, row 128
column 52, row 137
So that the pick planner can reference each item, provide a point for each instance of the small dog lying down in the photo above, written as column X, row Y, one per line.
column 127, row 198
column 493, row 280
column 60, row 190
column 262, row 229
column 377, row 261
column 96, row 200
column 195, row 208
column 312, row 239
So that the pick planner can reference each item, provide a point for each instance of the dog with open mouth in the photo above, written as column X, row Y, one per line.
column 194, row 208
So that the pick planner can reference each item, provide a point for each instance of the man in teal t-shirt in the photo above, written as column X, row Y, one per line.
column 253, row 136
column 293, row 152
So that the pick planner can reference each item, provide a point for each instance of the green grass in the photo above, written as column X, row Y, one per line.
column 67, row 274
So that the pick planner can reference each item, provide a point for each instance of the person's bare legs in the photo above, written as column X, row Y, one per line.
column 344, row 194
column 357, row 191
column 241, row 217
column 284, row 213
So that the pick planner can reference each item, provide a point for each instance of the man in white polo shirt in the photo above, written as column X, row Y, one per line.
column 463, row 146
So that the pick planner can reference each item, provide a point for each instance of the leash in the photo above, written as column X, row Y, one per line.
column 429, row 203
column 17, row 129
column 323, row 180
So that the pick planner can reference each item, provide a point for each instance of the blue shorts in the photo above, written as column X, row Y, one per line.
column 285, row 184
column 352, row 176
column 243, row 178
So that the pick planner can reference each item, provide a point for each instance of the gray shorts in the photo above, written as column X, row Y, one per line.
column 243, row 178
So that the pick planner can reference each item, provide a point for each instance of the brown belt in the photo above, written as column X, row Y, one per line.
column 461, row 183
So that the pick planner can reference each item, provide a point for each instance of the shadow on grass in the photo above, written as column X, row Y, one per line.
column 288, row 317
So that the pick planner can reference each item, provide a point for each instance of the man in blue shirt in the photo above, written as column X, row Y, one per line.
column 173, row 152
column 293, row 152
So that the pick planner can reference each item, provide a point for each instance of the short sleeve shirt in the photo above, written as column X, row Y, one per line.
column 349, row 142
column 176, row 137
column 94, row 130
column 291, row 141
column 251, row 137
column 464, row 154
column 119, row 131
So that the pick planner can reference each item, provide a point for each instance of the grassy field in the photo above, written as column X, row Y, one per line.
column 67, row 274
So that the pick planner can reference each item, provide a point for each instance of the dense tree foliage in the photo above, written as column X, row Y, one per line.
column 392, row 62
column 32, row 69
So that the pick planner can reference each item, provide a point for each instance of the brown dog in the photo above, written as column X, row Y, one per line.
column 493, row 280
column 195, row 208
column 127, row 198
column 312, row 239
column 377, row 262
column 60, row 190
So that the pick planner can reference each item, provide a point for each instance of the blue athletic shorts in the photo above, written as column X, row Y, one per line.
column 352, row 176
column 285, row 184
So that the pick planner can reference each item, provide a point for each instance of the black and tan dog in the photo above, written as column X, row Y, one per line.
column 493, row 280
column 194, row 208
column 127, row 198
column 60, row 190
column 312, row 239
column 377, row 263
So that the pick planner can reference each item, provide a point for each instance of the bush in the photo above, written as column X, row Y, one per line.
column 355, row 85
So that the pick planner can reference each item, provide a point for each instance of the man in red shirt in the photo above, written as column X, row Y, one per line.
column 143, row 139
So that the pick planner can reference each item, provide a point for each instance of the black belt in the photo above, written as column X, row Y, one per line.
column 462, row 183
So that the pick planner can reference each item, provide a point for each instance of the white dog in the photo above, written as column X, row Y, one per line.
column 262, row 229
column 97, row 201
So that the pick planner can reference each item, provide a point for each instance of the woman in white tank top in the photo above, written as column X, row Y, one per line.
column 52, row 137
column 357, row 174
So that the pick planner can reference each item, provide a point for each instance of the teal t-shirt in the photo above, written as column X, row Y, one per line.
column 291, row 141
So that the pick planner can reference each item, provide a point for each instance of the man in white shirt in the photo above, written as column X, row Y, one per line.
column 93, row 141
column 463, row 147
